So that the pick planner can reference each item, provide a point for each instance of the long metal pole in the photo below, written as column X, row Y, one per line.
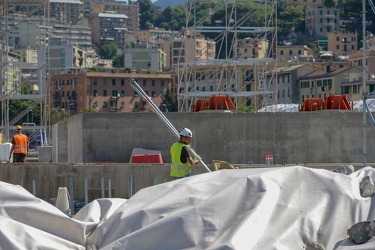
column 149, row 101
column 364, row 79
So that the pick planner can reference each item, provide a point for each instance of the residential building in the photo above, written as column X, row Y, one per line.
column 342, row 44
column 74, row 35
column 65, row 58
column 292, row 52
column 303, row 4
column 12, row 76
column 66, row 11
column 119, row 7
column 335, row 82
column 252, row 48
column 285, row 81
column 106, row 91
column 109, row 27
column 191, row 49
column 352, row 83
column 320, row 21
column 356, row 59
column 162, row 39
column 144, row 56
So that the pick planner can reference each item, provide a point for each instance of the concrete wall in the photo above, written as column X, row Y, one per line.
column 49, row 177
column 60, row 142
column 314, row 137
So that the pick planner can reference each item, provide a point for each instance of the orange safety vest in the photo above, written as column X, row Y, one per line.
column 20, row 144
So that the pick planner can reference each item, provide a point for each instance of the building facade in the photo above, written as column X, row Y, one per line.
column 109, row 27
column 106, row 91
column 303, row 4
column 342, row 44
column 144, row 57
column 320, row 21
column 291, row 52
column 252, row 48
column 118, row 7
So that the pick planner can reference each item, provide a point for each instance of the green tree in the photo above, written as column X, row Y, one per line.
column 118, row 62
column 16, row 107
column 330, row 3
column 289, row 20
column 148, row 12
column 108, row 50
column 58, row 115
column 169, row 102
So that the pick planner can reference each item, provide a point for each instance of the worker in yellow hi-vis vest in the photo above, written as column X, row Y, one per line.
column 181, row 159
column 20, row 146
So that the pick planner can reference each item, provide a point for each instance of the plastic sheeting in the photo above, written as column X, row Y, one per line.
column 278, row 208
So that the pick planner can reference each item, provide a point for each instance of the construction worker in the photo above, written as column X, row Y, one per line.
column 181, row 159
column 20, row 146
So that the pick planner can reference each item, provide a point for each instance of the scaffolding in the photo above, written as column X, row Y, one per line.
column 248, row 81
column 16, row 73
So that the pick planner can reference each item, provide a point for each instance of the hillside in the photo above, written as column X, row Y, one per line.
column 165, row 3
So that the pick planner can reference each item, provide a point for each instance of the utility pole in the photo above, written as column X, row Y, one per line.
column 364, row 79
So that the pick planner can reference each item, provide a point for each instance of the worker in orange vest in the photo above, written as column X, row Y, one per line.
column 20, row 146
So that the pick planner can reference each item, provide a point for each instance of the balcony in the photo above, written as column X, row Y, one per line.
column 114, row 109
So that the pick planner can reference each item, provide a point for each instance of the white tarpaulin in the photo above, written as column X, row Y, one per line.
column 278, row 208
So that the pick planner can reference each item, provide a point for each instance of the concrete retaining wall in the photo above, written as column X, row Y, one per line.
column 313, row 137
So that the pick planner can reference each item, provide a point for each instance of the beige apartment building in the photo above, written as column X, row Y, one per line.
column 190, row 50
column 119, row 7
column 321, row 21
column 303, row 4
column 287, row 53
column 348, row 81
column 356, row 59
column 106, row 91
column 252, row 48
column 342, row 44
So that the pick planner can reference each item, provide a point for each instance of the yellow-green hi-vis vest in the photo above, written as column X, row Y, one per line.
column 178, row 169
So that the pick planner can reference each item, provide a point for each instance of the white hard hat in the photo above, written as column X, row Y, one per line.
column 185, row 132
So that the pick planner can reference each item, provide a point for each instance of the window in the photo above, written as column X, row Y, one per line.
column 114, row 93
column 153, row 94
column 104, row 92
column 153, row 83
column 135, row 93
column 95, row 82
column 122, row 82
column 136, row 105
column 95, row 92
column 104, row 104
column 113, row 82
column 95, row 105
column 162, row 83
column 122, row 104
column 122, row 92
column 144, row 83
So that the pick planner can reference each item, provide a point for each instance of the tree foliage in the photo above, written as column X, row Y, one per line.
column 16, row 107
column 108, row 50
column 169, row 102
column 118, row 62
column 291, row 20
column 149, row 13
column 330, row 3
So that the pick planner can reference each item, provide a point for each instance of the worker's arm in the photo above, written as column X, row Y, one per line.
column 192, row 161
